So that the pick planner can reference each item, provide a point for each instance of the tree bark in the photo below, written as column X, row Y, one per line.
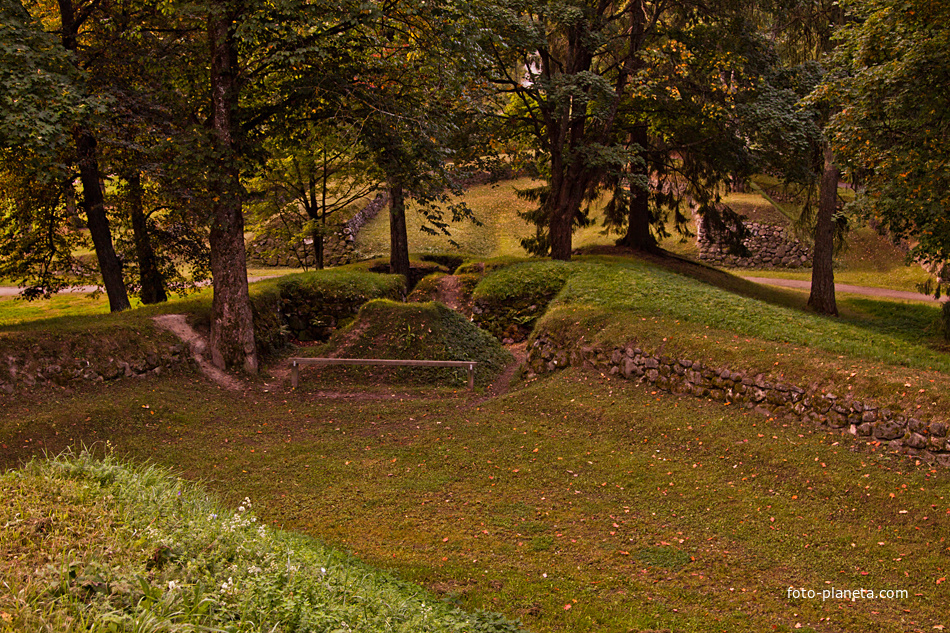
column 398, row 238
column 232, row 320
column 639, row 236
column 150, row 278
column 317, row 237
column 93, row 203
column 822, row 296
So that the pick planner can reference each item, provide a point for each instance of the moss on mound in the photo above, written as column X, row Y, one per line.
column 414, row 331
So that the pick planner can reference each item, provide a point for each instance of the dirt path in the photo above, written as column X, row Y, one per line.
column 450, row 292
column 503, row 382
column 857, row 290
column 177, row 325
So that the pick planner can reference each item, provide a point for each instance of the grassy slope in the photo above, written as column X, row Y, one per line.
column 578, row 502
column 495, row 206
column 884, row 351
column 95, row 545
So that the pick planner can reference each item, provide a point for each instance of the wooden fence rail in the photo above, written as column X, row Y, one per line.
column 297, row 362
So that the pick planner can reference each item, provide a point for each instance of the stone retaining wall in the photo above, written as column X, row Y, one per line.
column 29, row 368
column 770, row 247
column 907, row 435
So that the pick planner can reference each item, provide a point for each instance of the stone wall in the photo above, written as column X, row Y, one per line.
column 272, row 247
column 770, row 247
column 926, row 440
column 28, row 366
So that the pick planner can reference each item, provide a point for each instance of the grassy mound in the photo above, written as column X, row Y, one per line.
column 509, row 300
column 414, row 331
column 877, row 349
column 100, row 546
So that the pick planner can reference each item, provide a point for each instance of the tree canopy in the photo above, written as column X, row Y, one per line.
column 893, row 128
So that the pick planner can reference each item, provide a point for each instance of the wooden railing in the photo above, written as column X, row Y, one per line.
column 297, row 362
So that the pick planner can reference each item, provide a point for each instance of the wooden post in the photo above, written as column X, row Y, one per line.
column 471, row 376
column 294, row 374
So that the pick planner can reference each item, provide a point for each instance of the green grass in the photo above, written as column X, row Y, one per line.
column 633, row 291
column 94, row 545
column 577, row 502
column 16, row 311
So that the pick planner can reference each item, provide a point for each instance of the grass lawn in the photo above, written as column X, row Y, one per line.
column 576, row 502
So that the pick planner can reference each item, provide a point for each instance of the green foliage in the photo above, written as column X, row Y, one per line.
column 893, row 124
column 136, row 549
column 39, row 96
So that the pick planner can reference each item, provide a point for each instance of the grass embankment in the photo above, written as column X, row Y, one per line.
column 577, row 503
column 499, row 234
column 888, row 351
column 98, row 546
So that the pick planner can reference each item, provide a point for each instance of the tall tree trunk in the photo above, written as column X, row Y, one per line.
column 232, row 320
column 93, row 203
column 565, row 198
column 639, row 236
column 317, row 236
column 398, row 238
column 561, row 232
column 150, row 278
column 822, row 297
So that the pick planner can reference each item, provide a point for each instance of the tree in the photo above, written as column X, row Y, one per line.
column 285, row 49
column 618, row 96
column 317, row 171
column 893, row 123
column 72, row 21
column 555, row 60
column 39, row 100
column 414, row 95
column 804, row 34
column 686, row 118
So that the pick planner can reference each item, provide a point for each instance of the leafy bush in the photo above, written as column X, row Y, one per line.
column 135, row 549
